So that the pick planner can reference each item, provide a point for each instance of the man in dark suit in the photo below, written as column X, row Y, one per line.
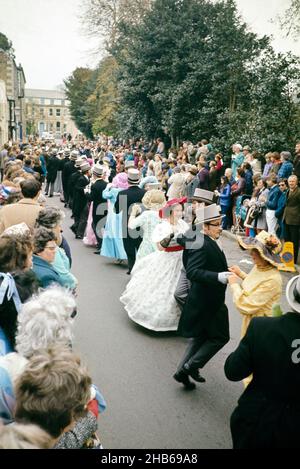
column 80, row 203
column 52, row 168
column 125, row 200
column 99, row 204
column 205, row 316
column 291, row 216
column 268, row 412
column 68, row 169
column 200, row 198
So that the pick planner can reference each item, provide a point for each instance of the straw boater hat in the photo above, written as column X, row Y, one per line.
column 67, row 152
column 293, row 293
column 154, row 200
column 201, row 195
column 166, row 209
column 84, row 167
column 98, row 170
column 133, row 177
column 268, row 246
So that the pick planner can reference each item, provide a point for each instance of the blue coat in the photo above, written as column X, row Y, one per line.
column 225, row 196
column 286, row 170
column 281, row 205
column 273, row 197
column 45, row 273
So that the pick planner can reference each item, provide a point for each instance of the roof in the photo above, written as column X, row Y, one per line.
column 48, row 94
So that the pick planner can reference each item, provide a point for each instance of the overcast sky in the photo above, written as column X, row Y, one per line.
column 49, row 41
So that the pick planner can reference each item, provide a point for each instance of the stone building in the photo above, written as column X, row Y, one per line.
column 13, row 78
column 47, row 112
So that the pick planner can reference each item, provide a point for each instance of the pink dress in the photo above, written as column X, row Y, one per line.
column 90, row 238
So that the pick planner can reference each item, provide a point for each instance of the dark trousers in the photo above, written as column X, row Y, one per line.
column 51, row 186
column 99, row 238
column 212, row 339
column 131, row 247
column 292, row 234
column 81, row 221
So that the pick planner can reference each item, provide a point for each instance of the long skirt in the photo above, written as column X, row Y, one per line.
column 149, row 296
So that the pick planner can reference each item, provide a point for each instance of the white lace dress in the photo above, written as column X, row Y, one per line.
column 149, row 296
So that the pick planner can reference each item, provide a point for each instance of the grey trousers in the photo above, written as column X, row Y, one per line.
column 182, row 289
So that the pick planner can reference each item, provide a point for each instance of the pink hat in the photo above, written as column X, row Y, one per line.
column 120, row 181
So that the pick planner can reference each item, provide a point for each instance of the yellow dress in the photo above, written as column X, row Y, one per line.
column 254, row 298
column 259, row 291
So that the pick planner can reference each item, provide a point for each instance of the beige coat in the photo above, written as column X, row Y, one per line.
column 25, row 211
column 177, row 185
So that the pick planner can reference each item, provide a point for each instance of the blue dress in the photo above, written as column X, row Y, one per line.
column 112, row 245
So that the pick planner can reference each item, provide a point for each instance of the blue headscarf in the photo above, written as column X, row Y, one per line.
column 8, row 287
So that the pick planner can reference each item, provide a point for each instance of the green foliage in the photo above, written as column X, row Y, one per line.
column 6, row 44
column 105, row 97
column 79, row 86
column 188, row 68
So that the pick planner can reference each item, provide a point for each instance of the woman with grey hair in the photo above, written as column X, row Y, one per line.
column 44, row 254
column 45, row 321
column 51, row 218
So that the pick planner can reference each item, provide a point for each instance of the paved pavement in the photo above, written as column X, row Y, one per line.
column 133, row 367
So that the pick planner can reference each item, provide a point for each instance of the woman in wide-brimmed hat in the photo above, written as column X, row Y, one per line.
column 261, row 288
column 149, row 296
column 153, row 201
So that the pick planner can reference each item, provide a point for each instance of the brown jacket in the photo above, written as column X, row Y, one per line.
column 25, row 211
column 291, row 214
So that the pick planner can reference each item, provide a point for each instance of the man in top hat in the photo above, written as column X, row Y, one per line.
column 268, row 412
column 68, row 170
column 72, row 182
column 52, row 169
column 125, row 200
column 99, row 204
column 80, row 202
column 205, row 316
column 201, row 198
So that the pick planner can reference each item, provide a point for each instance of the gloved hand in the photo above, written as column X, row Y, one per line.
column 223, row 277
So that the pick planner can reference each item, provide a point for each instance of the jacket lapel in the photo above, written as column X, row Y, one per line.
column 218, row 251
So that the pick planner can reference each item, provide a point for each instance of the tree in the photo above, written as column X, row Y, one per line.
column 269, row 120
column 79, row 86
column 6, row 44
column 290, row 20
column 182, row 75
column 101, row 17
column 105, row 97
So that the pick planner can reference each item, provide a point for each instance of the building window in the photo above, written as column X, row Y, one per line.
column 42, row 101
column 57, row 125
column 57, row 112
column 50, row 112
column 65, row 127
column 52, row 102
column 51, row 127
column 41, row 111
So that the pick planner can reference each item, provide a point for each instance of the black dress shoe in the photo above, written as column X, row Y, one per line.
column 97, row 252
column 128, row 272
column 194, row 373
column 183, row 378
column 73, row 229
